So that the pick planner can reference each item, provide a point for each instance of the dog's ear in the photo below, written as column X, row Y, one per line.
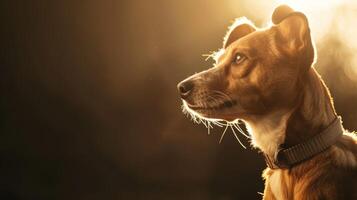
column 293, row 28
column 240, row 28
column 280, row 13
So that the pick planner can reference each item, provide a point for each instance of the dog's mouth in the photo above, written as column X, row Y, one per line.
column 210, row 107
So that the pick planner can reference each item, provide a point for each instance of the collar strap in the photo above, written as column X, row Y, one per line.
column 287, row 157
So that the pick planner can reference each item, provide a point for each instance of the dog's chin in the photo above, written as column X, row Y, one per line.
column 219, row 116
column 223, row 111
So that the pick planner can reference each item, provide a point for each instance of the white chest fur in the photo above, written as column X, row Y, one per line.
column 275, row 184
column 268, row 132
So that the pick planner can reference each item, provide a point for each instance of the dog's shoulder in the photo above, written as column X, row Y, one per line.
column 344, row 152
column 333, row 173
column 329, row 175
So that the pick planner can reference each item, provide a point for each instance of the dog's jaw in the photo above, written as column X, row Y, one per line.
column 268, row 131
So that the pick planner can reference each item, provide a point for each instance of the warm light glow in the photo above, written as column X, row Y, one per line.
column 329, row 20
column 307, row 5
column 319, row 12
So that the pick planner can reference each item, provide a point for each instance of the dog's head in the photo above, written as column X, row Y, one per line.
column 256, row 72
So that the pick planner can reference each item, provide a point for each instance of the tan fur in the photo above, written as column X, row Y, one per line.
column 316, row 178
column 265, row 78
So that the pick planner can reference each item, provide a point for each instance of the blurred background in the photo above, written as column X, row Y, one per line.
column 90, row 109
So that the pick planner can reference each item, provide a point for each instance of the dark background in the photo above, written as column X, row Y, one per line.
column 90, row 110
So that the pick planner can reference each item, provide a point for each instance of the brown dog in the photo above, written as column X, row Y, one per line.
column 265, row 78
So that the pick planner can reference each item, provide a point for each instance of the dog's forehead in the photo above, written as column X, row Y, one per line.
column 252, row 40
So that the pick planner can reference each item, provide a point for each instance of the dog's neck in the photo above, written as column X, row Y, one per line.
column 268, row 131
column 288, row 127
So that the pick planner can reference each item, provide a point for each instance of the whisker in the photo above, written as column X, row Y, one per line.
column 217, row 123
column 214, row 54
column 240, row 130
column 237, row 137
column 204, row 123
column 208, row 127
column 208, row 56
column 220, row 140
column 209, row 124
column 216, row 97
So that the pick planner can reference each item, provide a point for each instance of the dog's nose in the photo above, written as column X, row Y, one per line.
column 185, row 87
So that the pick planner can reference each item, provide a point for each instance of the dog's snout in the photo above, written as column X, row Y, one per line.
column 185, row 87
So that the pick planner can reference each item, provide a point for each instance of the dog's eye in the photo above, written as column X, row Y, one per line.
column 239, row 58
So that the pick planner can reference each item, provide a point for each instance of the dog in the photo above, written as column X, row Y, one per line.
column 265, row 78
